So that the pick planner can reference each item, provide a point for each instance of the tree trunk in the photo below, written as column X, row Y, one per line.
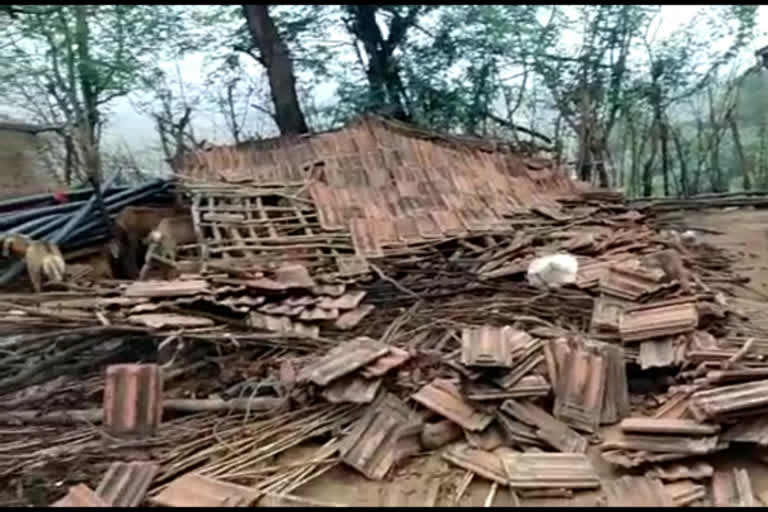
column 648, row 167
column 683, row 164
column 386, row 91
column 664, row 155
column 716, row 179
column 89, row 118
column 762, row 157
column 274, row 56
column 597, row 153
column 742, row 161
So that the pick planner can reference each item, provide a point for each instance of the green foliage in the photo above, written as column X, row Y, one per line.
column 605, row 81
column 42, row 71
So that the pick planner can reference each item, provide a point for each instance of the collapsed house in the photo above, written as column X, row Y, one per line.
column 25, row 169
column 365, row 289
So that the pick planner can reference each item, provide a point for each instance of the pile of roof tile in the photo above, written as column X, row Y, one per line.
column 449, row 350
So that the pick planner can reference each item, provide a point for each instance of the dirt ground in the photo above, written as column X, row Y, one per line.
column 416, row 481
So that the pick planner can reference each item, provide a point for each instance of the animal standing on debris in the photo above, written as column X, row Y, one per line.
column 672, row 264
column 42, row 258
column 133, row 225
column 170, row 233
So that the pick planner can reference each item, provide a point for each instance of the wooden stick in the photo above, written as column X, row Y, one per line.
column 465, row 481
column 491, row 495
column 735, row 358
column 68, row 417
column 258, row 404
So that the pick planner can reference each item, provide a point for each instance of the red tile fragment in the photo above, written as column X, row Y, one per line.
column 133, row 399
column 80, row 496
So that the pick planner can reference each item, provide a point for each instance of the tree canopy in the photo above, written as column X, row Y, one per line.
column 623, row 94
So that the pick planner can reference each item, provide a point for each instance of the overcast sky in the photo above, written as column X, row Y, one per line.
column 130, row 129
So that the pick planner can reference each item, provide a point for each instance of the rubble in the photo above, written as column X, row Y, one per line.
column 440, row 433
column 191, row 490
column 133, row 403
column 732, row 489
column 550, row 471
column 80, row 496
column 379, row 310
column 126, row 484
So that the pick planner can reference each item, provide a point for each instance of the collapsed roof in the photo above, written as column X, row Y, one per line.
column 388, row 184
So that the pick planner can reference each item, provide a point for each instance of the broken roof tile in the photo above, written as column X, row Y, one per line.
column 606, row 314
column 628, row 282
column 192, row 490
column 732, row 488
column 342, row 360
column 277, row 308
column 395, row 358
column 661, row 320
column 312, row 314
column 176, row 288
column 666, row 443
column 517, row 431
column 734, row 376
column 487, row 346
column 448, row 222
column 322, row 196
column 488, row 440
column 352, row 266
column 349, row 300
column 528, row 386
column 667, row 426
column 633, row 459
column 160, row 320
column 580, row 391
column 350, row 319
column 332, row 290
column 616, row 397
column 675, row 407
column 671, row 472
column 294, row 276
column 352, row 389
column 549, row 471
column 80, row 496
column 260, row 283
column 366, row 245
column 589, row 274
column 381, row 437
column 486, row 464
column 305, row 330
column 549, row 429
column 126, row 484
column 636, row 491
column 661, row 353
column 133, row 399
column 526, row 360
column 725, row 400
column 444, row 397
column 426, row 226
column 685, row 492
column 749, row 430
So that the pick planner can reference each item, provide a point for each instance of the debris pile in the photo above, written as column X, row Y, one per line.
column 281, row 334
